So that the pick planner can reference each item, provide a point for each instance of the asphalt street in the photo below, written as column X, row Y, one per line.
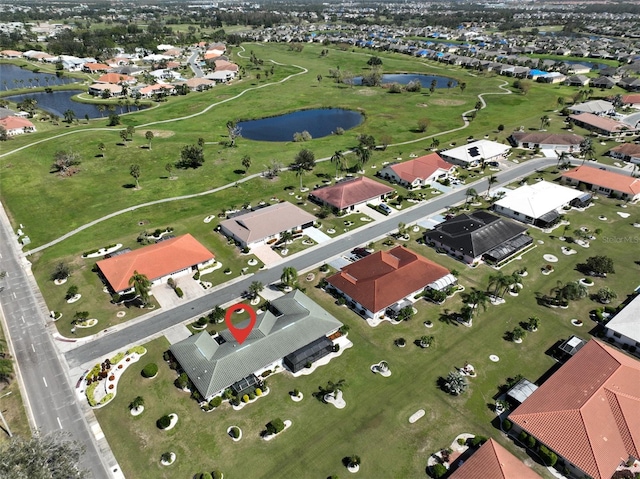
column 141, row 331
column 51, row 401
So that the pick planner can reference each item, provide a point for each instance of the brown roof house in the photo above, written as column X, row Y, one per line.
column 627, row 152
column 587, row 412
column 603, row 181
column 601, row 125
column 265, row 224
column 351, row 194
column 546, row 141
column 417, row 172
column 173, row 257
column 492, row 461
column 387, row 279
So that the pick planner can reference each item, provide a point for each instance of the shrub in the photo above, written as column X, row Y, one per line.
column 204, row 475
column 438, row 470
column 234, row 432
column 89, row 392
column 548, row 457
column 275, row 426
column 478, row 440
column 215, row 402
column 252, row 396
column 531, row 442
column 179, row 292
column 522, row 437
column 461, row 441
column 150, row 370
column 164, row 422
column 265, row 373
column 245, row 398
column 216, row 475
column 117, row 358
column 506, row 425
column 296, row 392
column 202, row 321
column 258, row 392
column 137, row 350
column 183, row 381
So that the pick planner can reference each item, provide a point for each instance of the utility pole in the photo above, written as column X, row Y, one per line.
column 6, row 426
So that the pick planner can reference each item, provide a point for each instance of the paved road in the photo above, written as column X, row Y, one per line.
column 193, row 63
column 51, row 400
column 152, row 327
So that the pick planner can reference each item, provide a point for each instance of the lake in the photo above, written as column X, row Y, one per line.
column 404, row 78
column 14, row 77
column 318, row 122
column 57, row 102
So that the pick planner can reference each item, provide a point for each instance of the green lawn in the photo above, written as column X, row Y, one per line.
column 375, row 424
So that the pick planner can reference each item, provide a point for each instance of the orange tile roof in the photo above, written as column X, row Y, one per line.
column 385, row 277
column 492, row 461
column 587, row 412
column 606, row 179
column 95, row 67
column 351, row 192
column 154, row 261
column 15, row 122
column 114, row 78
column 420, row 168
column 632, row 99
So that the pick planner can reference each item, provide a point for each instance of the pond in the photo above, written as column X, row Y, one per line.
column 14, row 77
column 57, row 102
column 404, row 78
column 319, row 122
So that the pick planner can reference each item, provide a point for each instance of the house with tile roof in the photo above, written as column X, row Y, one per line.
column 587, row 412
column 386, row 280
column 627, row 152
column 170, row 258
column 95, row 67
column 473, row 154
column 351, row 194
column 601, row 125
column 545, row 140
column 632, row 100
column 99, row 89
column 117, row 78
column 262, row 225
column 292, row 332
column 15, row 125
column 539, row 204
column 418, row 172
column 624, row 327
column 481, row 235
column 493, row 461
column 604, row 181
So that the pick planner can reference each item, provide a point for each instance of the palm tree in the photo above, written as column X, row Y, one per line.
column 470, row 193
column 246, row 163
column 455, row 383
column 101, row 108
column 477, row 299
column 134, row 170
column 544, row 122
column 300, row 172
column 338, row 159
column 587, row 150
column 491, row 180
column 255, row 288
column 363, row 154
column 289, row 276
column 69, row 116
column 102, row 147
column 435, row 143
column 426, row 341
column 499, row 283
column 149, row 136
column 136, row 403
column 533, row 323
column 141, row 286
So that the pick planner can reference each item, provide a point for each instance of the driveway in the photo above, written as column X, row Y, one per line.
column 316, row 235
column 266, row 255
column 168, row 298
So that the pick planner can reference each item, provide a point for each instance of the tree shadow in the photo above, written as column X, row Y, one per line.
column 129, row 186
column 239, row 172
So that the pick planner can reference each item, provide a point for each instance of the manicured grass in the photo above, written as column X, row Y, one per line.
column 11, row 403
column 375, row 424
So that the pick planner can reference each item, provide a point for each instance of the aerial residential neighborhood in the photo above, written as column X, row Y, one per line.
column 320, row 240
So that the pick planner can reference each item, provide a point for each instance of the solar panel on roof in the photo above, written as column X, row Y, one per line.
column 474, row 151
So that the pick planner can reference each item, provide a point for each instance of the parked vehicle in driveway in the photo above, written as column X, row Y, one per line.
column 385, row 208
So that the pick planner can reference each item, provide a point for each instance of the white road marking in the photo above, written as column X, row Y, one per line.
column 22, row 318
column 59, row 423
column 45, row 382
column 34, row 350
column 14, row 295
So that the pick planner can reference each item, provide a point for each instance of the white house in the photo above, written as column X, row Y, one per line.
column 475, row 153
column 624, row 328
column 539, row 204
column 418, row 172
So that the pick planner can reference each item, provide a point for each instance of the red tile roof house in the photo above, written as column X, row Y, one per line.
column 603, row 181
column 601, row 126
column 351, row 194
column 385, row 279
column 116, row 78
column 418, row 172
column 95, row 67
column 174, row 257
column 626, row 152
column 631, row 100
column 14, row 125
column 265, row 224
column 492, row 461
column 587, row 412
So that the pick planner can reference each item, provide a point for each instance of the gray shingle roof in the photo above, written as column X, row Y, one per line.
column 292, row 322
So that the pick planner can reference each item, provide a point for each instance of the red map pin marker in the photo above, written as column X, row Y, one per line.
column 240, row 334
